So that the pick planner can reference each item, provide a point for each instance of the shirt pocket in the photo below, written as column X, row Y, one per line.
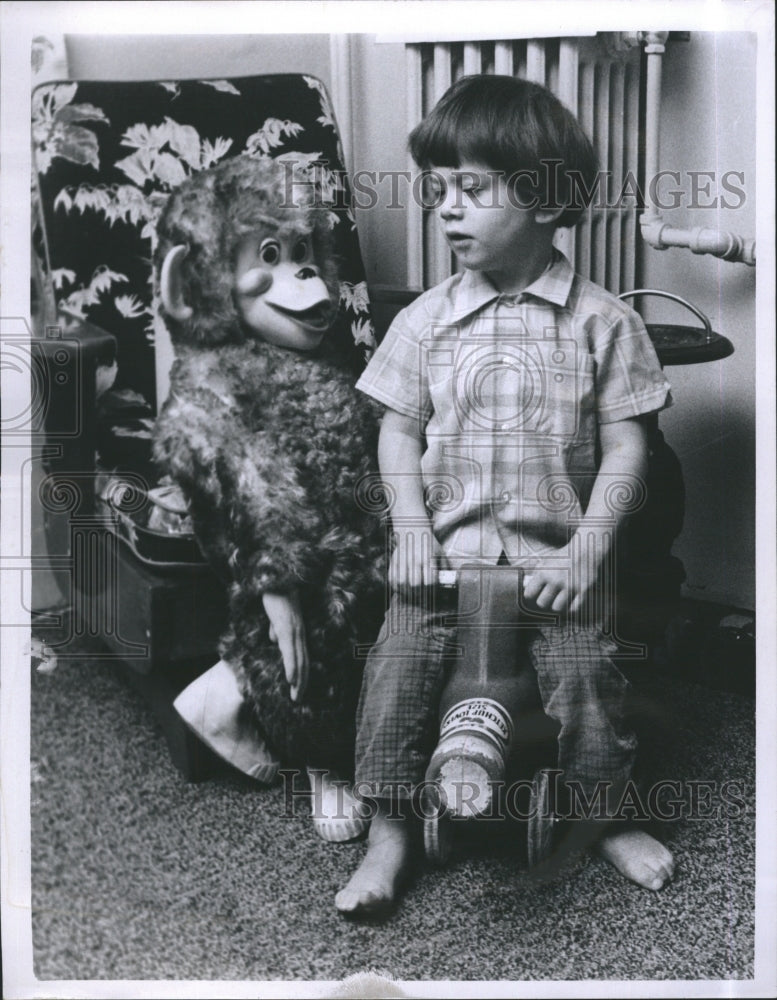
column 568, row 377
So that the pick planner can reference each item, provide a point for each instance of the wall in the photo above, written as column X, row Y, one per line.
column 708, row 124
column 155, row 57
column 379, row 143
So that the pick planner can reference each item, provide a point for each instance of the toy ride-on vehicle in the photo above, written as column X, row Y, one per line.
column 490, row 703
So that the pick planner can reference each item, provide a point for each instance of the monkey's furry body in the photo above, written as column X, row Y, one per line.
column 275, row 451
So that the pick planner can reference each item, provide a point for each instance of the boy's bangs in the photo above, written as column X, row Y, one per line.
column 456, row 137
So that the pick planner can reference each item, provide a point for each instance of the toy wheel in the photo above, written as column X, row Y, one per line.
column 438, row 832
column 542, row 821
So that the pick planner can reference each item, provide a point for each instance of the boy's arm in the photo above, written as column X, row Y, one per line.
column 417, row 554
column 624, row 454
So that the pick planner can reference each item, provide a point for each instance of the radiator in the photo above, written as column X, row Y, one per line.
column 596, row 80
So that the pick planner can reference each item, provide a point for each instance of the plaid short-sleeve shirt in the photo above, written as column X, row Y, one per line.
column 509, row 392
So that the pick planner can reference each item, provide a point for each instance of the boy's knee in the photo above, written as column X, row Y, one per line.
column 594, row 682
column 582, row 687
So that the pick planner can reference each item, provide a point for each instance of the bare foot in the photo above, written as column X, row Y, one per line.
column 638, row 856
column 374, row 886
column 337, row 815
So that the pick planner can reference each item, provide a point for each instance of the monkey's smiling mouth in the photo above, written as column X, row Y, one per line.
column 317, row 317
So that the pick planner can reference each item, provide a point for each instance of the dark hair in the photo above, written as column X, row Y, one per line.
column 511, row 125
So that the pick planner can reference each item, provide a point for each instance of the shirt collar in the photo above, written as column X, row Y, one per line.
column 553, row 285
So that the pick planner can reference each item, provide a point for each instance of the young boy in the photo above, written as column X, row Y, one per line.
column 514, row 395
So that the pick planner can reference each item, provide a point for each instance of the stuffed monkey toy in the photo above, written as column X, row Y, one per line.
column 276, row 453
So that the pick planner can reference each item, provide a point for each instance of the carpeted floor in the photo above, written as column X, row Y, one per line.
column 138, row 875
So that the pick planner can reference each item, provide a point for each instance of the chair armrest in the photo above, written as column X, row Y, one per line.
column 385, row 302
column 67, row 360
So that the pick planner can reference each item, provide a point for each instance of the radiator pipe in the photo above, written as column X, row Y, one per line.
column 728, row 246
column 654, row 50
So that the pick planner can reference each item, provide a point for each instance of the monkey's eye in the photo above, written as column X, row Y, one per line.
column 270, row 252
column 299, row 251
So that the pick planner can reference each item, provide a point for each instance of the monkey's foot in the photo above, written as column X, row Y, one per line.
column 213, row 707
column 337, row 815
column 638, row 856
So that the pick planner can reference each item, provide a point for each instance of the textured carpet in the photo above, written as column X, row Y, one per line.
column 138, row 875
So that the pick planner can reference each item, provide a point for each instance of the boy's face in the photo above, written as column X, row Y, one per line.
column 485, row 224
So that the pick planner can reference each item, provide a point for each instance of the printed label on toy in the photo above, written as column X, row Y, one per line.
column 479, row 715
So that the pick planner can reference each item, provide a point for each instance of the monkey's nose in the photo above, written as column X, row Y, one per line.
column 306, row 272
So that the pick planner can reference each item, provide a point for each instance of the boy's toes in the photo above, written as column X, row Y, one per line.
column 664, row 872
column 639, row 857
column 652, row 879
column 362, row 902
column 659, row 864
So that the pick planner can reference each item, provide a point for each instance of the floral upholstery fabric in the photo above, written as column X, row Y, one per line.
column 107, row 155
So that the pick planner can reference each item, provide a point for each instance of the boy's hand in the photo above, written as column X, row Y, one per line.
column 287, row 628
column 563, row 588
column 624, row 460
column 416, row 558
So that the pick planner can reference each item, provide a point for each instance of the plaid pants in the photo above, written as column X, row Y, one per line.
column 397, row 718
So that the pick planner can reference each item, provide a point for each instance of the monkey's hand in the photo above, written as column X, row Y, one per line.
column 287, row 628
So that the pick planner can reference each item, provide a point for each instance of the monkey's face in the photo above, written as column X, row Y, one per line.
column 280, row 294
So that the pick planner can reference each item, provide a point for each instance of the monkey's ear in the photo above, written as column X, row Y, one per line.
column 171, row 285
